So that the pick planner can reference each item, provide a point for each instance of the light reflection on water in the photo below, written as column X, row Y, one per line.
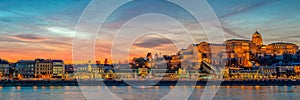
column 155, row 92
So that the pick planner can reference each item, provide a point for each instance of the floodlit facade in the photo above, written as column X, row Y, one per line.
column 280, row 48
column 43, row 68
column 58, row 68
column 4, row 68
column 234, row 52
column 238, row 52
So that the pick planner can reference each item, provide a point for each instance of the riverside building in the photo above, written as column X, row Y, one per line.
column 58, row 68
column 4, row 68
column 25, row 69
column 234, row 53
column 44, row 68
column 39, row 68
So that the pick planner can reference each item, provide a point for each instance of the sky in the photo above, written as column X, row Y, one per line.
column 32, row 29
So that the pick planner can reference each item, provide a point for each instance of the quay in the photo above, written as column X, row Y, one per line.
column 270, row 82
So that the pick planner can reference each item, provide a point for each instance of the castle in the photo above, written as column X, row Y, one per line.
column 233, row 52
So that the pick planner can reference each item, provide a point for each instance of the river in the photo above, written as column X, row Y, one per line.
column 143, row 93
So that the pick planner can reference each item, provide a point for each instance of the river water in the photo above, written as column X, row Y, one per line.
column 147, row 93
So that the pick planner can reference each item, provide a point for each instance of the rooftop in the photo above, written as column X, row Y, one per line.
column 282, row 43
column 237, row 40
column 26, row 61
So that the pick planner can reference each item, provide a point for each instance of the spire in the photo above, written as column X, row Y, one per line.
column 256, row 31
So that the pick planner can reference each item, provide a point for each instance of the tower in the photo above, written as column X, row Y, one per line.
column 257, row 39
column 89, row 67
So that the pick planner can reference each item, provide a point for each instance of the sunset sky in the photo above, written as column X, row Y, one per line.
column 45, row 28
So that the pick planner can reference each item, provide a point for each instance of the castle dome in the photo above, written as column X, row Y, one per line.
column 257, row 38
column 256, row 34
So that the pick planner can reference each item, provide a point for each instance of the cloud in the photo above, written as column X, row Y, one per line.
column 151, row 42
column 229, row 31
column 28, row 38
column 246, row 7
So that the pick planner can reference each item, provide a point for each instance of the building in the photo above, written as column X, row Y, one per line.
column 39, row 68
column 238, row 52
column 214, row 54
column 234, row 52
column 69, row 71
column 69, row 68
column 257, row 47
column 43, row 68
column 257, row 39
column 241, row 52
column 89, row 70
column 195, row 54
column 4, row 68
column 58, row 68
column 189, row 57
column 25, row 68
column 280, row 48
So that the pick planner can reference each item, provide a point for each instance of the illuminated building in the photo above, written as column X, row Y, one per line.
column 58, row 68
column 241, row 52
column 208, row 52
column 69, row 71
column 25, row 68
column 4, row 68
column 238, row 51
column 280, row 48
column 243, row 74
column 212, row 53
column 257, row 46
column 233, row 53
column 43, row 68
column 297, row 69
column 257, row 39
column 89, row 70
column 189, row 57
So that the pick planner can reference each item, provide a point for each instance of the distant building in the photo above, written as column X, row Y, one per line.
column 241, row 52
column 189, row 57
column 39, row 68
column 238, row 52
column 214, row 54
column 58, row 68
column 233, row 53
column 280, row 48
column 25, row 68
column 257, row 39
column 43, row 68
column 69, row 68
column 4, row 68
column 257, row 46
column 196, row 53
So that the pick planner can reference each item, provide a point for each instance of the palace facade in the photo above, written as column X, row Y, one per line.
column 232, row 53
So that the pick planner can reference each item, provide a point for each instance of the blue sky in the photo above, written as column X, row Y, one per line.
column 45, row 28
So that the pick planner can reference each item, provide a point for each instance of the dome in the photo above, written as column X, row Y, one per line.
column 257, row 38
column 256, row 34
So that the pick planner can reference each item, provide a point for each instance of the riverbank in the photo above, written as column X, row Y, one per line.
column 147, row 83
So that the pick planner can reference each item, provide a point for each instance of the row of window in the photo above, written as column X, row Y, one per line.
column 44, row 65
column 22, row 66
column 43, row 68
column 22, row 69
column 30, row 68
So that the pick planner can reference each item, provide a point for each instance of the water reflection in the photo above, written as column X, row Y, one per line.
column 34, row 88
column 154, row 92
column 18, row 88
